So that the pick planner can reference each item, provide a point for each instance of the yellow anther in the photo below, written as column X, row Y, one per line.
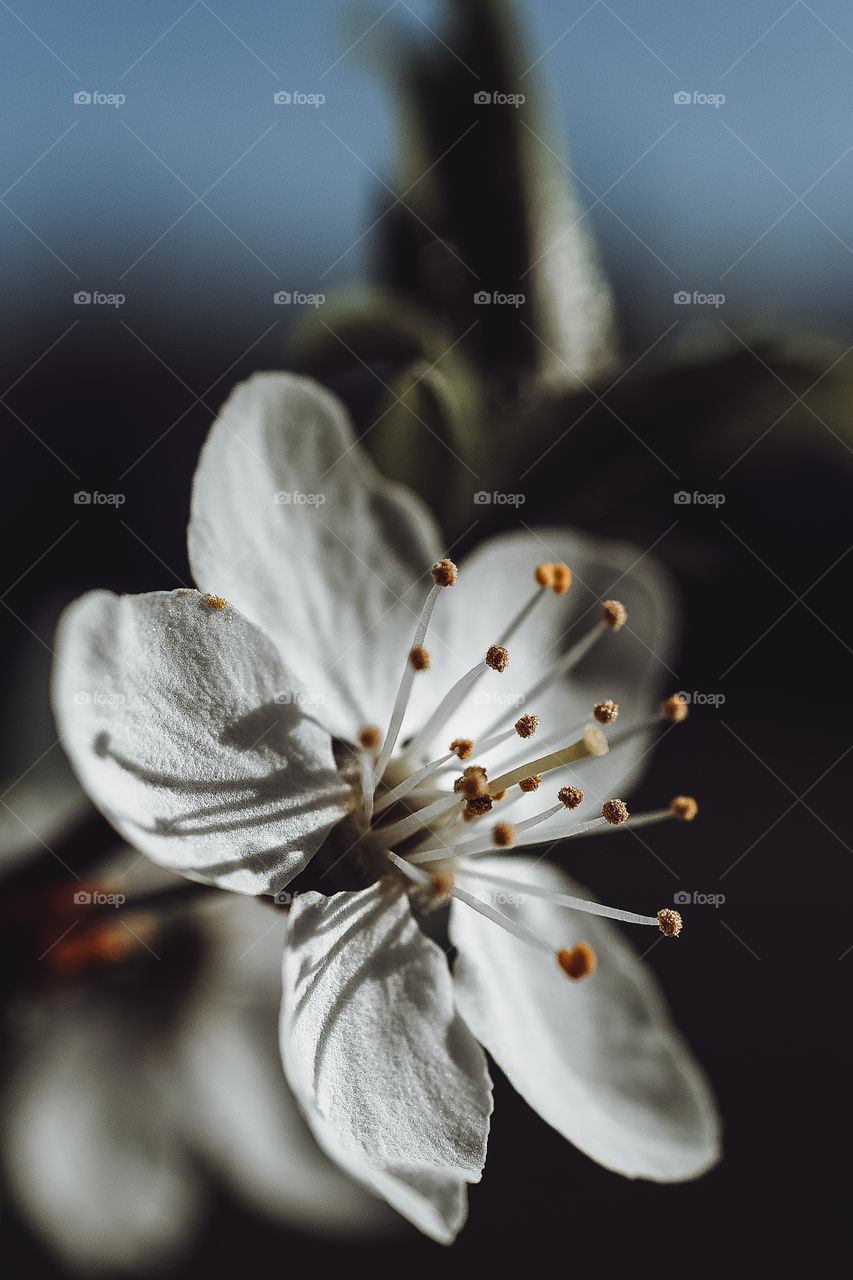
column 669, row 922
column 674, row 709
column 461, row 747
column 531, row 783
column 419, row 659
column 605, row 712
column 614, row 614
column 369, row 738
column 497, row 657
column 615, row 812
column 562, row 579
column 684, row 807
column 570, row 796
column 444, row 573
column 544, row 574
column 214, row 602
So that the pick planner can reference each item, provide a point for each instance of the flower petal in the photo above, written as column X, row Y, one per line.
column 598, row 1059
column 391, row 1081
column 237, row 1108
column 292, row 522
column 628, row 666
column 91, row 1149
column 172, row 714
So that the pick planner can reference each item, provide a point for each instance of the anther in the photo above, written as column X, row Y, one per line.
column 543, row 574
column 570, row 797
column 419, row 659
column 461, row 747
column 499, row 795
column 214, row 602
column 497, row 658
column 684, row 807
column 527, row 726
column 614, row 614
column 444, row 573
column 669, row 922
column 370, row 737
column 474, row 782
column 503, row 835
column 674, row 709
column 562, row 579
column 476, row 806
column 605, row 712
column 615, row 812
column 579, row 962
column 531, row 783
column 442, row 883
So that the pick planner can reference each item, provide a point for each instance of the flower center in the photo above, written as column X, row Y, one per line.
column 417, row 814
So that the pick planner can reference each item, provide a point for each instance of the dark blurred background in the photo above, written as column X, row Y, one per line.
column 198, row 198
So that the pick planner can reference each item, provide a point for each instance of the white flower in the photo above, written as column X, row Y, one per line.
column 240, row 735
column 148, row 1062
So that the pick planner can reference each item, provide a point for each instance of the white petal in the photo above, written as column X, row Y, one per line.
column 237, row 1108
column 328, row 573
column 90, row 1151
column 172, row 715
column 389, row 1078
column 598, row 1059
column 629, row 666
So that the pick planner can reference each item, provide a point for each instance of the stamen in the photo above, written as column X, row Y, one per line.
column 476, row 806
column 674, row 709
column 473, row 782
column 214, row 602
column 605, row 712
column 531, row 783
column 572, row 656
column 544, row 575
column 562, row 579
column 462, row 747
column 614, row 614
column 522, row 888
column 615, row 812
column 419, row 659
column 496, row 658
column 370, row 737
column 670, row 922
column 579, row 962
column 405, row 688
column 567, row 798
column 414, row 780
column 593, row 743
column 365, row 773
column 684, row 808
column 444, row 573
column 527, row 726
